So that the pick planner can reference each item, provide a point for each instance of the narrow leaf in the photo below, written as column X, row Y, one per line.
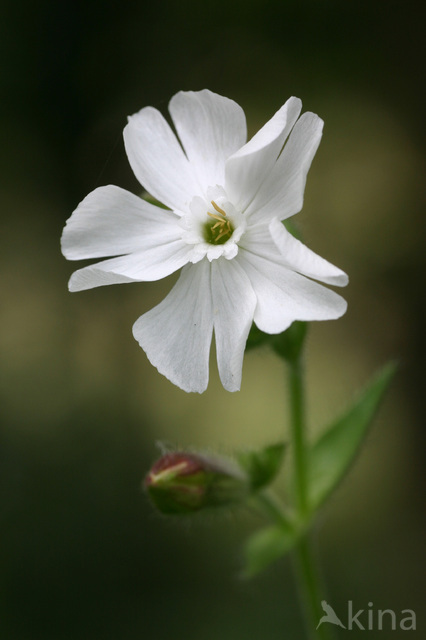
column 265, row 547
column 262, row 466
column 333, row 453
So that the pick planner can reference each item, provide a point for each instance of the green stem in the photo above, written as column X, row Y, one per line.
column 297, row 409
column 311, row 591
column 305, row 565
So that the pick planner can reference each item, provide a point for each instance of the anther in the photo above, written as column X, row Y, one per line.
column 223, row 233
column 216, row 217
column 218, row 209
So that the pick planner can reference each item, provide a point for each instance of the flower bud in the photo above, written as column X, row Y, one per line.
column 183, row 483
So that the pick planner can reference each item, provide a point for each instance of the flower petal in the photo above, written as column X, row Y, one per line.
column 234, row 302
column 257, row 239
column 303, row 260
column 111, row 221
column 284, row 296
column 211, row 128
column 152, row 263
column 281, row 193
column 158, row 161
column 248, row 167
column 176, row 335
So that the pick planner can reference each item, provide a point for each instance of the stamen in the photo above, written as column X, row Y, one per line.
column 218, row 209
column 224, row 232
column 213, row 215
column 221, row 230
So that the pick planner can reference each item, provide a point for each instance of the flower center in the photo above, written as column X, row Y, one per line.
column 219, row 229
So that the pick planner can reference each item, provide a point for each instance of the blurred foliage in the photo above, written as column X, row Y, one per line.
column 81, row 555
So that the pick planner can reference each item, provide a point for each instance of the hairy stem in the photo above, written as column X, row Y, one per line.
column 305, row 564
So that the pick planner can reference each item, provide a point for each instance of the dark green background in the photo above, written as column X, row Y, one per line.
column 82, row 556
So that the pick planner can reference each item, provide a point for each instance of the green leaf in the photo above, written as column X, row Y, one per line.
column 266, row 546
column 262, row 466
column 331, row 456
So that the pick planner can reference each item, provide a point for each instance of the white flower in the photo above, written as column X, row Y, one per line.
column 226, row 201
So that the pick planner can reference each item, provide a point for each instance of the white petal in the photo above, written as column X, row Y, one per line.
column 247, row 168
column 284, row 296
column 158, row 161
column 111, row 221
column 281, row 193
column 152, row 263
column 211, row 128
column 176, row 335
column 234, row 303
column 303, row 260
column 258, row 240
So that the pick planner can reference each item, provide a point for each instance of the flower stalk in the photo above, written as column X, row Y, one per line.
column 298, row 436
column 305, row 565
column 310, row 589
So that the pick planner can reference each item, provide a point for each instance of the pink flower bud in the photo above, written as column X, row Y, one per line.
column 183, row 483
